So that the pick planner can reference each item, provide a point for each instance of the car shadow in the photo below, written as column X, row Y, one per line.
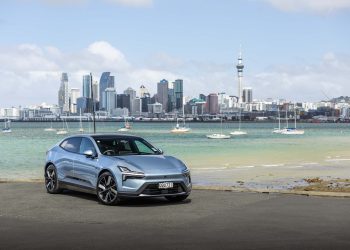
column 130, row 202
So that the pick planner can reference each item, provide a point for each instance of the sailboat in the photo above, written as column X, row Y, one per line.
column 181, row 129
column 63, row 131
column 219, row 136
column 81, row 129
column 293, row 131
column 239, row 131
column 7, row 127
column 126, row 126
column 279, row 130
column 50, row 129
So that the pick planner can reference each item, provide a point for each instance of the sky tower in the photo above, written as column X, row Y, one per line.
column 240, row 67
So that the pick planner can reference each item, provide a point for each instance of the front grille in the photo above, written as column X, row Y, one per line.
column 152, row 189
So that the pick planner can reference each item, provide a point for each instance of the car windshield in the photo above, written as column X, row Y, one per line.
column 116, row 146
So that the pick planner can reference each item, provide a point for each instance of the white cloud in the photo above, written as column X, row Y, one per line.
column 30, row 74
column 319, row 6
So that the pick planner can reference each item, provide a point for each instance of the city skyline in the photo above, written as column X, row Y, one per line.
column 295, row 49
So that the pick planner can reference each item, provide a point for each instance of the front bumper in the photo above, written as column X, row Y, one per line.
column 150, row 189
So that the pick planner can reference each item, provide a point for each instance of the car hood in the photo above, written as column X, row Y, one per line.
column 153, row 164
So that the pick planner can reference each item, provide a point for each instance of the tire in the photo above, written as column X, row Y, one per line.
column 107, row 190
column 178, row 198
column 51, row 183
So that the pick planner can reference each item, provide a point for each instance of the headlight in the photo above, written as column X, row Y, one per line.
column 128, row 174
column 187, row 174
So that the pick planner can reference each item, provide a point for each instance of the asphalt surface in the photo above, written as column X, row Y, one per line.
column 32, row 219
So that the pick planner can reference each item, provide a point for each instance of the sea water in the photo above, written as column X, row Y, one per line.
column 22, row 152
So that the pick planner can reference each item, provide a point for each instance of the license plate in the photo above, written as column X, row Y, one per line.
column 165, row 185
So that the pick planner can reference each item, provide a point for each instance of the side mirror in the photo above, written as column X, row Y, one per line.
column 89, row 153
column 160, row 151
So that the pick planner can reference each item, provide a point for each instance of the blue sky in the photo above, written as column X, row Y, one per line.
column 192, row 39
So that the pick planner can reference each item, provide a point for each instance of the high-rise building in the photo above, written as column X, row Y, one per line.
column 162, row 93
column 145, row 100
column 136, row 106
column 143, row 91
column 132, row 94
column 110, row 97
column 178, row 93
column 63, row 94
column 123, row 101
column 247, row 95
column 106, row 81
column 213, row 104
column 87, row 86
column 240, row 67
column 95, row 89
column 171, row 100
column 74, row 95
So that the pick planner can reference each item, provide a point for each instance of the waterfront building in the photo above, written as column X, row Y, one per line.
column 212, row 104
column 110, row 98
column 155, row 108
column 178, row 93
column 136, row 107
column 63, row 93
column 171, row 100
column 202, row 97
column 74, row 95
column 247, row 95
column 162, row 93
column 84, row 104
column 239, row 67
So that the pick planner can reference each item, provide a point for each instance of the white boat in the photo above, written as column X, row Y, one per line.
column 293, row 131
column 51, row 129
column 219, row 136
column 239, row 131
column 279, row 130
column 81, row 129
column 7, row 127
column 178, row 129
column 63, row 130
column 127, row 126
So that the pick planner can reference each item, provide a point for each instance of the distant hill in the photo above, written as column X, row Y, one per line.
column 340, row 99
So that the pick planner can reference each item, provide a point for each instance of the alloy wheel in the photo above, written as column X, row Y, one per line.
column 107, row 189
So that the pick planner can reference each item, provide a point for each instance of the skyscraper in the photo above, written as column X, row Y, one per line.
column 240, row 67
column 110, row 97
column 87, row 86
column 63, row 94
column 132, row 93
column 162, row 93
column 213, row 104
column 106, row 81
column 74, row 95
column 247, row 95
column 143, row 91
column 179, row 94
column 95, row 89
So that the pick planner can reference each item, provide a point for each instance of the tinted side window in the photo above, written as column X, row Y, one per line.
column 143, row 148
column 72, row 144
column 86, row 144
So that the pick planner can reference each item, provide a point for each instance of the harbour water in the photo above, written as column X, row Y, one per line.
column 323, row 150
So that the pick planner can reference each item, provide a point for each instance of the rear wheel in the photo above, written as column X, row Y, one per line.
column 107, row 192
column 177, row 198
column 51, row 182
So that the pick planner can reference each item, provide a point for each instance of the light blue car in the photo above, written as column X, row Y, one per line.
column 115, row 167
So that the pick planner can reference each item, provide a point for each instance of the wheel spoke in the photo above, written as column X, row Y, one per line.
column 108, row 180
column 114, row 191
column 102, row 187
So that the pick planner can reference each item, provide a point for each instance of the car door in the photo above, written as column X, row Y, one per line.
column 66, row 156
column 86, row 168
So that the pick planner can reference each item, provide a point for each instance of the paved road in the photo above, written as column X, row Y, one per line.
column 32, row 219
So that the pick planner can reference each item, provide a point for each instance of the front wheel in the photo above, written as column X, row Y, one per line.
column 51, row 182
column 177, row 198
column 107, row 189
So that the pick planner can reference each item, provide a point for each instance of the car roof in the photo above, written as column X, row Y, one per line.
column 110, row 135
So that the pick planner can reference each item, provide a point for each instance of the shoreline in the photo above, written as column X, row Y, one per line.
column 224, row 188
